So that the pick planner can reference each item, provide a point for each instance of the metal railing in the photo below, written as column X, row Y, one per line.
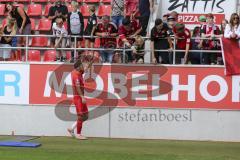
column 123, row 50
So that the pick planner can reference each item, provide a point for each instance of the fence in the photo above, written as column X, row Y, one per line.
column 122, row 50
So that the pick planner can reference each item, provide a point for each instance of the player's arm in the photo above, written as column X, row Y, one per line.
column 80, row 93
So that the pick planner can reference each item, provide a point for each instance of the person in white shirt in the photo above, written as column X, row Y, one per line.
column 75, row 22
column 61, row 33
column 232, row 29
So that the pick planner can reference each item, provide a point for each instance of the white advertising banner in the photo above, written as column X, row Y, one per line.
column 190, row 10
column 14, row 84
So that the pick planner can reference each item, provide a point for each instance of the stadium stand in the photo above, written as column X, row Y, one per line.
column 2, row 9
column 33, row 27
column 47, row 7
column 34, row 55
column 91, row 1
column 50, row 56
column 85, row 10
column 40, row 1
column 44, row 25
column 104, row 10
column 39, row 42
column 34, row 10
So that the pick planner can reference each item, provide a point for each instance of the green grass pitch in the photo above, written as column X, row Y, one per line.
column 65, row 148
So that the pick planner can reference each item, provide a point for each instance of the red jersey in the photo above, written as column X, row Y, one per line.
column 110, row 28
column 123, row 33
column 183, row 38
column 77, row 80
column 210, row 44
column 131, row 6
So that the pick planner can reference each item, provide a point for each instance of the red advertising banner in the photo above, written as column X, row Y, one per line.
column 191, row 18
column 139, row 86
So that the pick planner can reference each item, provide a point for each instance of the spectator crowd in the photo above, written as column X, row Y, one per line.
column 171, row 41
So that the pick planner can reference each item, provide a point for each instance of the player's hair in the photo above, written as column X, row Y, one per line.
column 77, row 64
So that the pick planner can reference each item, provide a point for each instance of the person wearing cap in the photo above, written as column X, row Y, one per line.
column 127, row 31
column 160, row 40
column 165, row 18
column 174, row 14
column 171, row 22
column 210, row 32
column 107, row 31
column 183, row 39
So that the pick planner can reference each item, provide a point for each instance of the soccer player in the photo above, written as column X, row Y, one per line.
column 79, row 99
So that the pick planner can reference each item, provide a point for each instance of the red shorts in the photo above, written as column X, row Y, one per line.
column 80, row 107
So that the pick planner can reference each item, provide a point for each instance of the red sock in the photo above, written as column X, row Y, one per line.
column 79, row 126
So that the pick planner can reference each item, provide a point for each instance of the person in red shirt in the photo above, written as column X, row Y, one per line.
column 127, row 31
column 131, row 7
column 79, row 99
column 183, row 39
column 210, row 31
column 107, row 31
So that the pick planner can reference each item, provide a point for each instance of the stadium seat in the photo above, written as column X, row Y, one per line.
column 52, row 1
column 6, row 0
column 106, row 1
column 33, row 27
column 91, row 1
column 26, row 1
column 68, row 55
column 39, row 42
column 50, row 56
column 19, row 5
column 97, row 43
column 104, row 10
column 47, row 7
column 34, row 10
column 79, row 1
column 84, row 10
column 44, row 25
column 2, row 9
column 40, row 1
column 34, row 55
